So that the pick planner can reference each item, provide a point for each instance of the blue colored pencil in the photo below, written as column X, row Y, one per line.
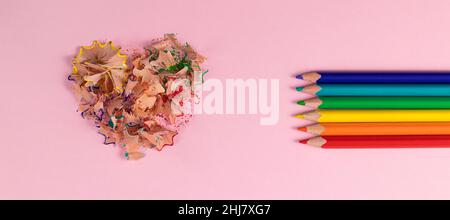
column 382, row 77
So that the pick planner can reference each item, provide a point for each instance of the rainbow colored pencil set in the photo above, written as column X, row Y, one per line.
column 377, row 109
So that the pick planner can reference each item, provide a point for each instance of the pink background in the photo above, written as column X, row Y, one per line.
column 49, row 152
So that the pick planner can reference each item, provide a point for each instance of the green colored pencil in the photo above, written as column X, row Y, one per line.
column 375, row 102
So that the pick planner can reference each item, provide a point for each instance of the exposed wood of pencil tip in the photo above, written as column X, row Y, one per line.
column 315, row 141
column 311, row 116
column 315, row 129
column 311, row 89
column 311, row 76
column 313, row 102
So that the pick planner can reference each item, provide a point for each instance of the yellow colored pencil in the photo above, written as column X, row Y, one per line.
column 376, row 115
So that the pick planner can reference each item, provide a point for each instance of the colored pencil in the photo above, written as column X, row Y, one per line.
column 376, row 102
column 378, row 128
column 375, row 77
column 376, row 115
column 377, row 89
column 419, row 141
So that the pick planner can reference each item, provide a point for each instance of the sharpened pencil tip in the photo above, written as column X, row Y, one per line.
column 302, row 129
column 301, row 102
column 300, row 116
column 303, row 141
column 299, row 89
column 299, row 76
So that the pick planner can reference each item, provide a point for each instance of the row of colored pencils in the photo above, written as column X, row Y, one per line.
column 377, row 109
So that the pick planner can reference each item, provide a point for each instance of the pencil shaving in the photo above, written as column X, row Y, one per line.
column 140, row 100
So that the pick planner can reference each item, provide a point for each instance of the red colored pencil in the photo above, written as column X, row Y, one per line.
column 396, row 141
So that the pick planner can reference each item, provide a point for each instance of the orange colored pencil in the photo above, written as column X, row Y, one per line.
column 376, row 128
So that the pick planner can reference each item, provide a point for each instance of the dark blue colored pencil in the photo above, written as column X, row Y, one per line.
column 336, row 77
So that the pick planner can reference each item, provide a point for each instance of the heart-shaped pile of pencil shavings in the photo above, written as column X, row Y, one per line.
column 139, row 100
